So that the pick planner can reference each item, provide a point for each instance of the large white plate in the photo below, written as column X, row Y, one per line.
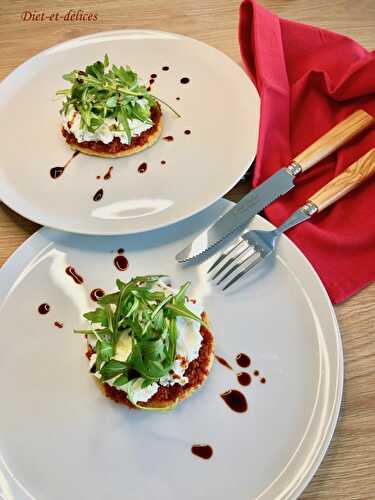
column 61, row 438
column 219, row 105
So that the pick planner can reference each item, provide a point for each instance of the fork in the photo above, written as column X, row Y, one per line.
column 255, row 246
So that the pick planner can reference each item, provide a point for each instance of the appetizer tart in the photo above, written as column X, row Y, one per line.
column 149, row 346
column 108, row 112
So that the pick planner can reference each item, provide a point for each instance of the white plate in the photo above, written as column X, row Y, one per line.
column 61, row 438
column 219, row 105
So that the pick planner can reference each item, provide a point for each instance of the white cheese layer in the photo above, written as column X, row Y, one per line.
column 110, row 129
column 189, row 341
column 141, row 394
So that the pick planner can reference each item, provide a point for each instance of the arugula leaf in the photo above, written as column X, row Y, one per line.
column 99, row 92
column 104, row 351
column 158, row 320
column 83, row 332
column 120, row 284
column 144, row 315
column 96, row 70
column 110, row 317
column 180, row 295
column 152, row 349
column 142, row 113
column 112, row 368
column 97, row 316
column 70, row 77
column 121, row 380
column 123, row 119
column 98, row 332
column 133, row 307
column 109, row 298
column 111, row 101
column 182, row 310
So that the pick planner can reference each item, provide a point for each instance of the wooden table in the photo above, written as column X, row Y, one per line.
column 348, row 471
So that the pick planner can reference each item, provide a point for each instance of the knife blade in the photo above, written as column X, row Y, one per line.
column 278, row 184
column 252, row 203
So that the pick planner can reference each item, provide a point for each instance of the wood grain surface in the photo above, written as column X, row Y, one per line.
column 334, row 138
column 348, row 470
column 352, row 177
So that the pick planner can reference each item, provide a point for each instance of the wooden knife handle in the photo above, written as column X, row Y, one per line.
column 334, row 138
column 349, row 179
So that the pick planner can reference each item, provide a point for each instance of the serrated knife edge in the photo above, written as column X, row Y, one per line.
column 242, row 212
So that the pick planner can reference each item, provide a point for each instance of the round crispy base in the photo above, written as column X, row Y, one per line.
column 151, row 139
column 166, row 405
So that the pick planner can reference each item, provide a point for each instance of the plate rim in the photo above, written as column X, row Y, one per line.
column 92, row 38
column 7, row 273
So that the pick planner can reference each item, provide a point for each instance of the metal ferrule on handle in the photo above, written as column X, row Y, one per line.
column 309, row 208
column 294, row 168
column 354, row 175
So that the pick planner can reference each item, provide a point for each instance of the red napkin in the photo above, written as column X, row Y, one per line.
column 309, row 79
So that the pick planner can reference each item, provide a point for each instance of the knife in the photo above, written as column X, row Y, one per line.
column 278, row 184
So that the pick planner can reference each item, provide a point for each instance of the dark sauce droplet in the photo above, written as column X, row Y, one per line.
column 243, row 360
column 121, row 262
column 151, row 81
column 256, row 373
column 148, row 89
column 120, row 250
column 98, row 177
column 168, row 138
column 108, row 175
column 55, row 172
column 177, row 98
column 263, row 381
column 187, row 132
column 165, row 68
column 98, row 195
column 58, row 324
column 142, row 168
column 163, row 162
column 235, row 400
column 70, row 271
column 244, row 378
column 154, row 75
column 185, row 80
column 202, row 450
column 43, row 308
column 96, row 294
column 223, row 362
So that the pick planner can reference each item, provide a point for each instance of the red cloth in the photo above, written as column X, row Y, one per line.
column 309, row 79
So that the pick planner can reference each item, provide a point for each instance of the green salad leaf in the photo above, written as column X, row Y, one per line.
column 99, row 92
column 147, row 314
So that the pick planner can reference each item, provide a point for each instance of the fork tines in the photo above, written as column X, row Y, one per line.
column 245, row 254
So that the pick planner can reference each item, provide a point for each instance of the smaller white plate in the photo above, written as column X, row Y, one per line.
column 60, row 438
column 219, row 106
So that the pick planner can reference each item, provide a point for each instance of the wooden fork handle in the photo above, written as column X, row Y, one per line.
column 349, row 179
column 334, row 138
